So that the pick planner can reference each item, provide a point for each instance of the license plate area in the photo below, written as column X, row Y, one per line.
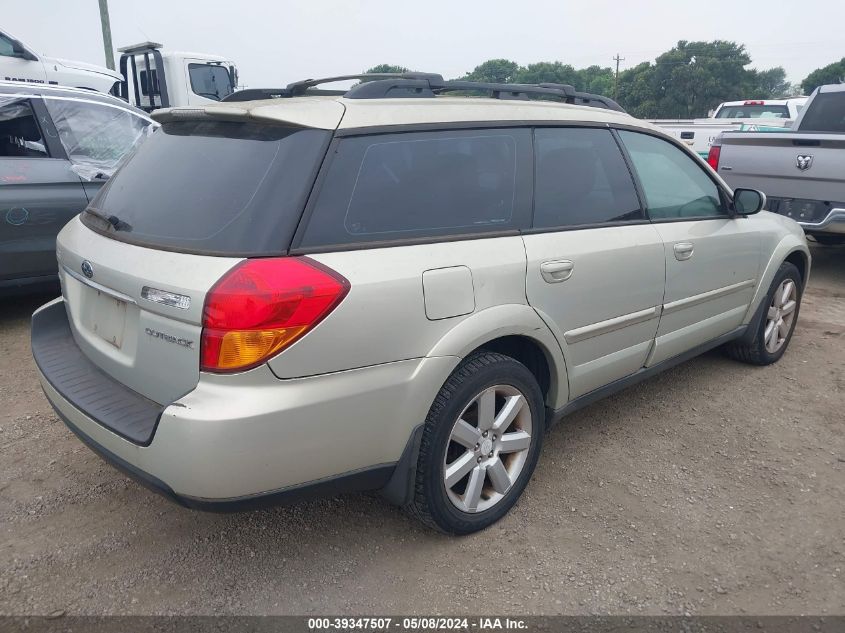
column 801, row 210
column 105, row 316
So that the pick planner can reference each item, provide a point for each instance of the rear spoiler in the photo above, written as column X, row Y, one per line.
column 318, row 114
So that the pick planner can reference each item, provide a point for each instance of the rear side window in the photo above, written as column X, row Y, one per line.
column 405, row 186
column 212, row 187
column 581, row 178
column 825, row 114
column 95, row 135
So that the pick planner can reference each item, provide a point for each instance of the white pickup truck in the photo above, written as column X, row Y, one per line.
column 750, row 115
column 18, row 62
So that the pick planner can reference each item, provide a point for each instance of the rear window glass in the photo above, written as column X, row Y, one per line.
column 753, row 112
column 581, row 179
column 826, row 113
column 405, row 186
column 212, row 187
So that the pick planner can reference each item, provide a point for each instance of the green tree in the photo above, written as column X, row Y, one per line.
column 596, row 80
column 387, row 68
column 694, row 77
column 546, row 72
column 768, row 84
column 495, row 71
column 831, row 74
column 636, row 91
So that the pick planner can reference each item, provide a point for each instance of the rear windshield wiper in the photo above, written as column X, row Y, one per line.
column 115, row 222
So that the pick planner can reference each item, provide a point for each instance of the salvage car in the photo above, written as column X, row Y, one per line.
column 395, row 289
column 57, row 147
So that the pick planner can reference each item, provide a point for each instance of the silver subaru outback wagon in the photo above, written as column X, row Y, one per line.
column 395, row 289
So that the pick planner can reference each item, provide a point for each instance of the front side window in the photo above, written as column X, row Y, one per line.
column 93, row 134
column 20, row 136
column 675, row 186
column 581, row 178
column 414, row 185
column 210, row 81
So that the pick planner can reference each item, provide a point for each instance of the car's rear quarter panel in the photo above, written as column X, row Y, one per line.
column 383, row 318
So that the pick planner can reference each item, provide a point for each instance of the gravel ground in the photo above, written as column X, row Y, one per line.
column 716, row 488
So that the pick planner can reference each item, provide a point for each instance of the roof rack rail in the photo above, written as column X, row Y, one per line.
column 421, row 85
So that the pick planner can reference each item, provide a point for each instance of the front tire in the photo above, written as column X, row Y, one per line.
column 480, row 444
column 775, row 328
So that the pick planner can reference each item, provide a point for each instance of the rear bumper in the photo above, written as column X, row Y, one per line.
column 250, row 439
column 834, row 222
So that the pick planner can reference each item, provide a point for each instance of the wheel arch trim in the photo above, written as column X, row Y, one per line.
column 498, row 322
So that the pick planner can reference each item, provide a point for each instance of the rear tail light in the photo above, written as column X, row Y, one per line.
column 263, row 306
column 713, row 156
column 755, row 103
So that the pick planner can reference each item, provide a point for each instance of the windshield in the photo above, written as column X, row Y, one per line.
column 211, row 81
column 212, row 187
column 753, row 112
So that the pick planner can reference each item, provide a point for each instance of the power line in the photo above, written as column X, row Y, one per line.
column 617, row 59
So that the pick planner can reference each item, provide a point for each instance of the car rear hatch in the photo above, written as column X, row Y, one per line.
column 198, row 197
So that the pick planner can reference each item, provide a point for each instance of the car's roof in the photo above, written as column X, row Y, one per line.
column 46, row 90
column 333, row 112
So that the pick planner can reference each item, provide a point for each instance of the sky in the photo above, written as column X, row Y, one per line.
column 276, row 42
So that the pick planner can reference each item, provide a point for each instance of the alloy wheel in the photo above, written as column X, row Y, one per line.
column 780, row 316
column 487, row 449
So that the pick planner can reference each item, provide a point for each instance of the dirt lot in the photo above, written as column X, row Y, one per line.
column 714, row 489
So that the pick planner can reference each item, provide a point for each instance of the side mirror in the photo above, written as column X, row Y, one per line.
column 748, row 201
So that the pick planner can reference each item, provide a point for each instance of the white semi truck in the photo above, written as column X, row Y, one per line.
column 156, row 78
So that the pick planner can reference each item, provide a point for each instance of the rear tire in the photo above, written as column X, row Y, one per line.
column 775, row 328
column 480, row 444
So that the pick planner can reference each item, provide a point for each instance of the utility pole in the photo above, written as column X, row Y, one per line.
column 617, row 59
column 104, row 21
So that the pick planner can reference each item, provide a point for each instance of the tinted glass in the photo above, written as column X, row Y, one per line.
column 413, row 185
column 213, row 187
column 210, row 81
column 19, row 133
column 675, row 186
column 6, row 47
column 753, row 112
column 581, row 178
column 97, row 136
column 826, row 113
column 145, row 88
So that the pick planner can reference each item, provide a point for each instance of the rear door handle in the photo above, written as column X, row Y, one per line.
column 683, row 250
column 556, row 271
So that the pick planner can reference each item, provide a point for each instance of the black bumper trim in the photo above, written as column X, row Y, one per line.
column 111, row 404
column 364, row 479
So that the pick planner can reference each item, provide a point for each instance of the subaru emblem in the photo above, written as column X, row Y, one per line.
column 804, row 161
column 87, row 269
